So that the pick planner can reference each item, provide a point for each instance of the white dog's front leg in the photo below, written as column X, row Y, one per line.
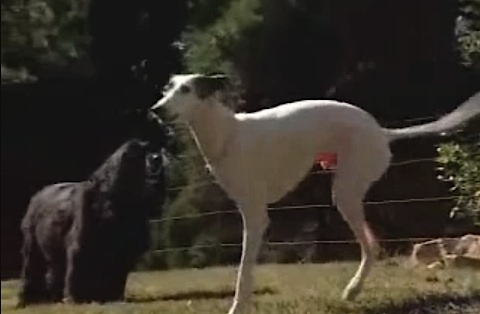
column 255, row 222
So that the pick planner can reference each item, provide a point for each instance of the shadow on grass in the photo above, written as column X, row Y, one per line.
column 196, row 295
column 431, row 304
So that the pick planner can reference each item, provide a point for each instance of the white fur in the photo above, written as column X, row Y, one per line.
column 259, row 157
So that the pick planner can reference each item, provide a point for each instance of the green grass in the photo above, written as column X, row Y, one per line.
column 392, row 288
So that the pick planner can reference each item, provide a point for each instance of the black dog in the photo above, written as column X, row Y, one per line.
column 82, row 239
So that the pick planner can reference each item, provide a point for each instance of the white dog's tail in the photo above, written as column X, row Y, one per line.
column 465, row 112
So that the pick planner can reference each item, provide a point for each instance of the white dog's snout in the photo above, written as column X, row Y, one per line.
column 158, row 105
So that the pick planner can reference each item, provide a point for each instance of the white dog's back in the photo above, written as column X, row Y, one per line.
column 294, row 134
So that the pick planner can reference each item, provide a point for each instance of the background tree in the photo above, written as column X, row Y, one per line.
column 43, row 38
column 62, row 125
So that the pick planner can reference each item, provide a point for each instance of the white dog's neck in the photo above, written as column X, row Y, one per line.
column 213, row 137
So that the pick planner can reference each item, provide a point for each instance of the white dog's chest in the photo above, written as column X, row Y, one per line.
column 265, row 172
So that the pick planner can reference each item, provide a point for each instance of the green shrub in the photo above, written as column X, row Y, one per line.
column 469, row 37
column 211, row 45
column 460, row 165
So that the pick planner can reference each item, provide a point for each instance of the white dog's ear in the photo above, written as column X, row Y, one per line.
column 206, row 86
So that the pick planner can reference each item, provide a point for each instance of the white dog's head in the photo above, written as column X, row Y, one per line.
column 185, row 94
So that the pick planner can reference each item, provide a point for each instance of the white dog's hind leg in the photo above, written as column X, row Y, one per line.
column 362, row 159
column 255, row 222
column 348, row 197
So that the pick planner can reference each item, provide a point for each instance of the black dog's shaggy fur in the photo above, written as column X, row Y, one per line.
column 82, row 239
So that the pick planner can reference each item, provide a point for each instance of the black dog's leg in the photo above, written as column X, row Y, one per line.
column 119, row 291
column 75, row 288
column 56, row 279
column 33, row 289
column 118, row 283
column 110, row 280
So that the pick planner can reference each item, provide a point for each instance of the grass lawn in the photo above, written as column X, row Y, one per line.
column 286, row 289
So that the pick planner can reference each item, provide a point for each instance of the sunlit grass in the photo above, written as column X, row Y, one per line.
column 392, row 288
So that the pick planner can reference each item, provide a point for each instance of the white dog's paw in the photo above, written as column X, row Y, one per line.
column 349, row 294
column 239, row 308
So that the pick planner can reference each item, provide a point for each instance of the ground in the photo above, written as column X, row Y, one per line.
column 393, row 288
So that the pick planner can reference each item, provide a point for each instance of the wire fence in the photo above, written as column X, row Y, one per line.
column 307, row 206
column 289, row 243
column 322, row 171
column 298, row 243
column 316, row 172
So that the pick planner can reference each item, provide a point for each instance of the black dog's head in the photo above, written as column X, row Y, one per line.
column 131, row 180
column 123, row 173
column 131, row 158
column 150, row 128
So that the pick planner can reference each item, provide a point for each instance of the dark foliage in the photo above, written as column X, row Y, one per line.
column 81, row 239
column 49, row 125
column 135, row 48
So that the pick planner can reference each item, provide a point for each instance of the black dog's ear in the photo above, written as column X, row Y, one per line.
column 206, row 86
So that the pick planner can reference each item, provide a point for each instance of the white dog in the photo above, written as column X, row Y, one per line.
column 259, row 157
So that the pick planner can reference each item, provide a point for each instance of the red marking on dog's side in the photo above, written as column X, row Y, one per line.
column 327, row 160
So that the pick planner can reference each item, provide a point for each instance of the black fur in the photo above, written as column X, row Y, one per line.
column 81, row 239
